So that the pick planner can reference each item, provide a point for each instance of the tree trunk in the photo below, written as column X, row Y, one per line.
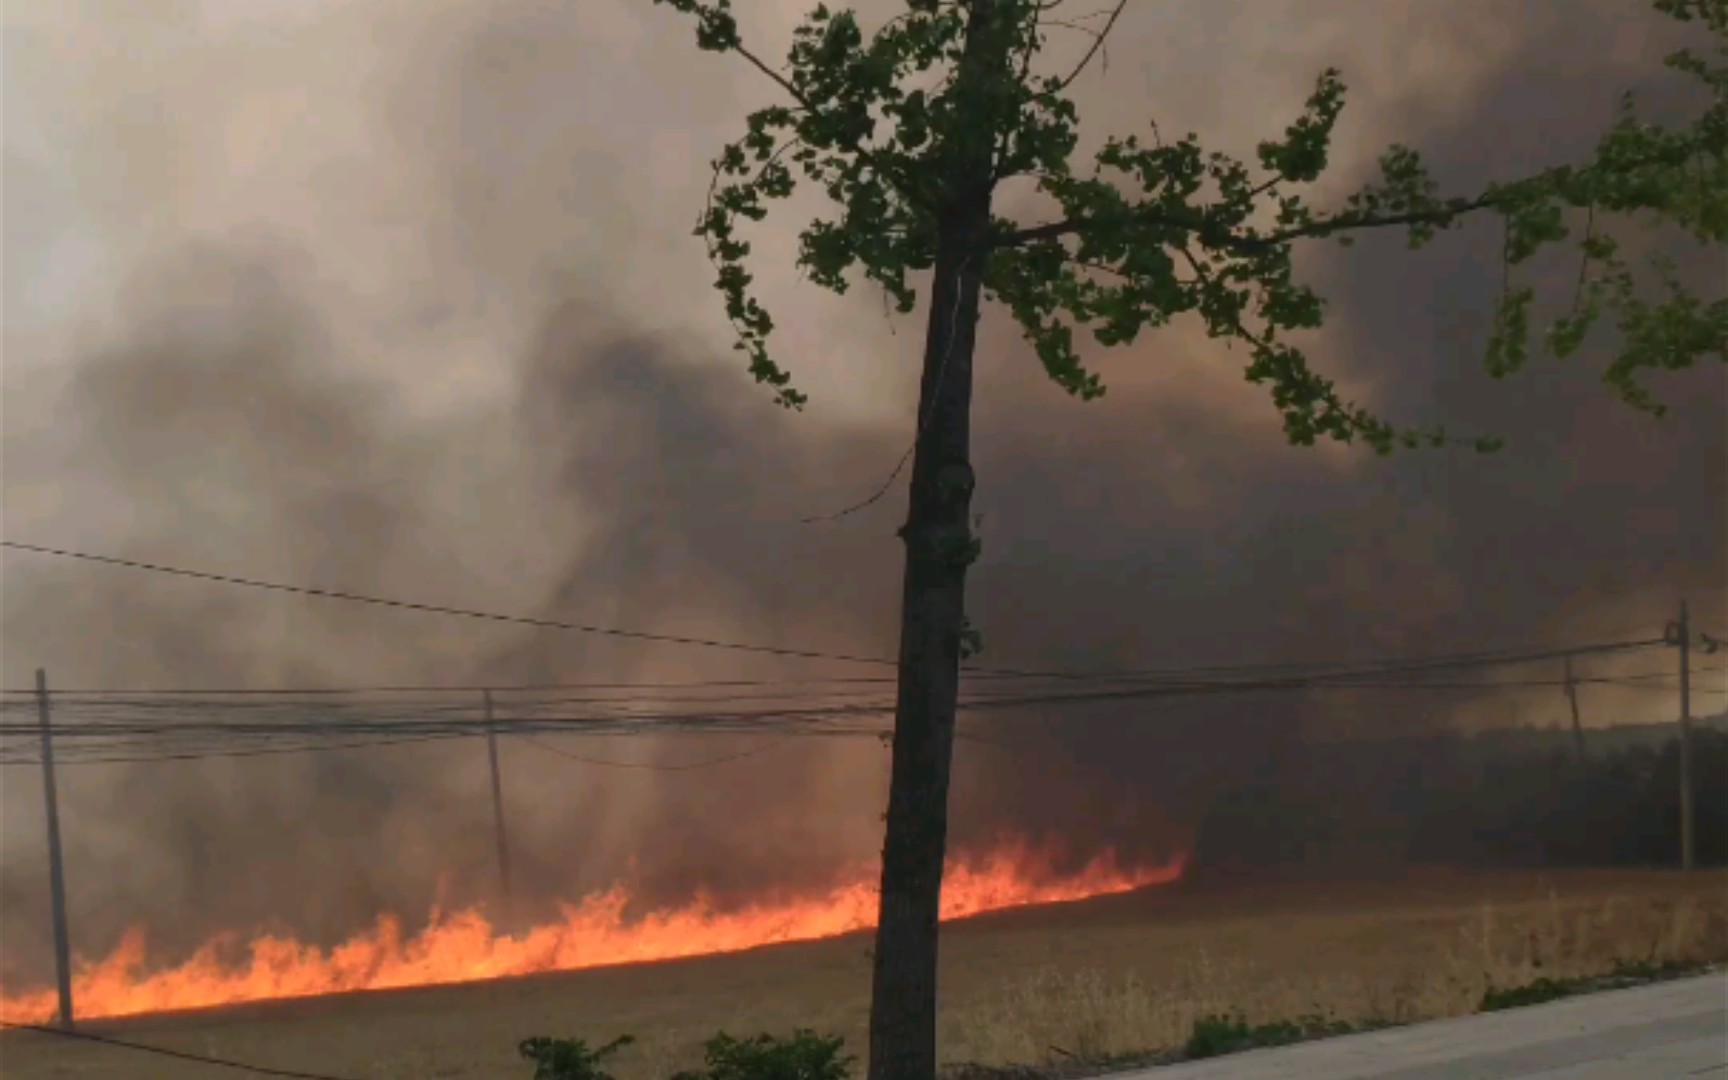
column 939, row 547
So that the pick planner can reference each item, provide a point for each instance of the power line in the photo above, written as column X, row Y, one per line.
column 87, row 750
column 1127, row 690
column 440, row 609
column 486, row 616
column 1339, row 668
column 88, row 737
column 181, row 1055
column 175, row 711
column 94, row 757
column 681, row 766
column 259, row 705
column 638, row 635
column 476, row 688
column 1134, row 686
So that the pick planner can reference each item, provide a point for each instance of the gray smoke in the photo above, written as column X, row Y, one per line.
column 443, row 335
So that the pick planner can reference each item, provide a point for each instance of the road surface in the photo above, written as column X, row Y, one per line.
column 1665, row 1031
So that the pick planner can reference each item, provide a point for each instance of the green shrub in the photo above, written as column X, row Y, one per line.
column 1535, row 993
column 569, row 1059
column 1215, row 1035
column 1649, row 970
column 805, row 1056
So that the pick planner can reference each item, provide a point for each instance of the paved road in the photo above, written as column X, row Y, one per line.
column 1661, row 1032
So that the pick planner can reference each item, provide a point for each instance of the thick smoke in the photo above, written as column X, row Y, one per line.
column 465, row 352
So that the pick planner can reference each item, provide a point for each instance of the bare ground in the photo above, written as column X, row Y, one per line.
column 1121, row 975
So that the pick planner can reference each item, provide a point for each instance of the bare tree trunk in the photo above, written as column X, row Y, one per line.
column 939, row 547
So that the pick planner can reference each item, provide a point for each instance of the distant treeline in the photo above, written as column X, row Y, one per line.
column 1508, row 799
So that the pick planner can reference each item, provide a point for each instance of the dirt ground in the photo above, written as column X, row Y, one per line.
column 1121, row 974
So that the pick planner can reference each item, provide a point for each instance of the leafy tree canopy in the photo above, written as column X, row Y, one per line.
column 1150, row 229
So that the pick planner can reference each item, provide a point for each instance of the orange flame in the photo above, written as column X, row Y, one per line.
column 465, row 947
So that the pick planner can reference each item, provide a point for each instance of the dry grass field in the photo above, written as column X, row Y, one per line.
column 1122, row 974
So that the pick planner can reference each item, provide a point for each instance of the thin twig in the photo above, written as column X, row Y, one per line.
column 809, row 106
column 875, row 496
column 1097, row 44
column 924, row 420
column 1584, row 263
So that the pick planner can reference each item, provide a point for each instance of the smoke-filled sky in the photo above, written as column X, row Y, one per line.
column 400, row 297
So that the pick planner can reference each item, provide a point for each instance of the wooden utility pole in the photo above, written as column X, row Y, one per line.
column 56, row 872
column 497, row 800
column 1572, row 699
column 1685, row 636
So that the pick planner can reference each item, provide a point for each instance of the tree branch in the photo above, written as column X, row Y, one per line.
column 1097, row 44
column 1447, row 212
column 780, row 80
column 1116, row 271
column 1055, row 230
column 1253, row 242
column 810, row 107
column 1237, row 326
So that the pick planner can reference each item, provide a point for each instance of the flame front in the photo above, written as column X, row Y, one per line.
column 594, row 932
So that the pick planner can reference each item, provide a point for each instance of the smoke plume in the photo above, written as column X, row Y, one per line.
column 410, row 308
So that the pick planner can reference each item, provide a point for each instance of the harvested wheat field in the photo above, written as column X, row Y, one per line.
column 1118, row 975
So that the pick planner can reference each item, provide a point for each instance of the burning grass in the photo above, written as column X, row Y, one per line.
column 595, row 932
column 1122, row 975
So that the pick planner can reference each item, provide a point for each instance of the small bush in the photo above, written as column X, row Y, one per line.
column 805, row 1056
column 569, row 1059
column 1649, row 970
column 1623, row 973
column 1215, row 1035
column 1534, row 993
